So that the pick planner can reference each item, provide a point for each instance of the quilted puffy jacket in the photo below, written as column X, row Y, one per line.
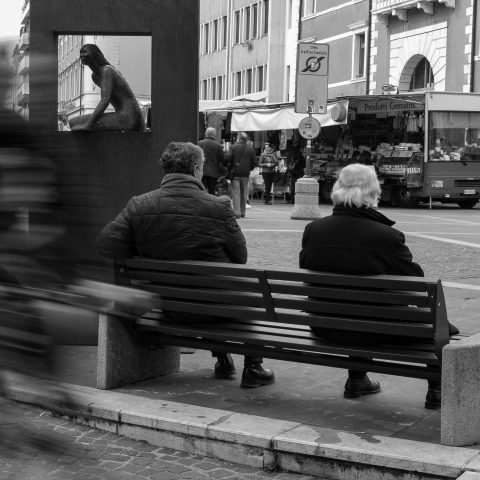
column 179, row 221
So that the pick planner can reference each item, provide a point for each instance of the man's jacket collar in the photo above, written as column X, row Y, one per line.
column 183, row 180
column 363, row 212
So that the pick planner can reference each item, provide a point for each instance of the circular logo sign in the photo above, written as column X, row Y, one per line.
column 309, row 128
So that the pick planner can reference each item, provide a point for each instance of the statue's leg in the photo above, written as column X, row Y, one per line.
column 78, row 123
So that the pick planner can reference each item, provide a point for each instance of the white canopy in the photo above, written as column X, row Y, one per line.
column 225, row 105
column 283, row 118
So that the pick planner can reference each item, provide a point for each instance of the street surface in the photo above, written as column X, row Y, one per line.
column 35, row 445
column 444, row 240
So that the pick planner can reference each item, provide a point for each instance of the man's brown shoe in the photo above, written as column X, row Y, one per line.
column 355, row 388
column 256, row 376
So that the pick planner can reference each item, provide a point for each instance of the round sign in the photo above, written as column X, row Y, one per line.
column 309, row 128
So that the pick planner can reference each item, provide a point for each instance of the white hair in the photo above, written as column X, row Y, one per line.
column 358, row 186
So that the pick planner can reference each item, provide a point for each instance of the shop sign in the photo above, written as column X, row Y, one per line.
column 387, row 105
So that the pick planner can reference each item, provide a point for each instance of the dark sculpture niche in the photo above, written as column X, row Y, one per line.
column 114, row 90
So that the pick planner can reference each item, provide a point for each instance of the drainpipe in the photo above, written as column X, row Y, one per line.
column 300, row 10
column 474, row 46
column 229, row 51
column 82, row 66
column 369, row 47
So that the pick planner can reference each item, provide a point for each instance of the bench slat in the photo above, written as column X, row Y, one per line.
column 351, row 295
column 259, row 336
column 382, row 282
column 393, row 312
column 416, row 330
column 250, row 299
column 288, row 329
column 230, row 283
column 379, row 366
column 190, row 267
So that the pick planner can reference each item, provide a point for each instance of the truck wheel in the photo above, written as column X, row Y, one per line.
column 470, row 203
column 405, row 199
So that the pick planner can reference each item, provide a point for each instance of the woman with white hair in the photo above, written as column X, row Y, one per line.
column 358, row 239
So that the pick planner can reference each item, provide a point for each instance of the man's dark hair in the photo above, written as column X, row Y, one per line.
column 181, row 157
column 98, row 56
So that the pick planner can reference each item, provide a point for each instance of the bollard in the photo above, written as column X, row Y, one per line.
column 306, row 199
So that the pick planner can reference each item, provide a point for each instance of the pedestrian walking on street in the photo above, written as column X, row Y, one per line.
column 268, row 163
column 214, row 166
column 357, row 239
column 181, row 221
column 241, row 161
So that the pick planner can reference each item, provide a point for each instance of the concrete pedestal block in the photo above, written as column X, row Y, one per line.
column 306, row 200
column 122, row 359
column 460, row 415
column 469, row 476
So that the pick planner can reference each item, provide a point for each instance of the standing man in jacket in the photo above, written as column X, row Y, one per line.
column 241, row 161
column 181, row 221
column 214, row 159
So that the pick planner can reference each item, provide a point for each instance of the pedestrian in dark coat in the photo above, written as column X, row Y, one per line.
column 181, row 221
column 214, row 159
column 241, row 160
column 357, row 239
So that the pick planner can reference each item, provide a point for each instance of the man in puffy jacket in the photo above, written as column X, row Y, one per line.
column 181, row 221
column 242, row 160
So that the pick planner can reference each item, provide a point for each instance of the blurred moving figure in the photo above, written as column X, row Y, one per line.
column 27, row 228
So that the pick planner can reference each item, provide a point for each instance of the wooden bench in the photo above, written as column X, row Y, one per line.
column 265, row 314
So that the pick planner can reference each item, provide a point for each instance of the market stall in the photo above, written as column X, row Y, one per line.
column 424, row 146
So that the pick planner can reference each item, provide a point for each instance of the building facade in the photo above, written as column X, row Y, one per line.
column 21, row 65
column 345, row 26
column 247, row 49
column 418, row 45
column 390, row 46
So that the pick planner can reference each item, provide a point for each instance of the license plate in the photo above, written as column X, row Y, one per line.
column 469, row 191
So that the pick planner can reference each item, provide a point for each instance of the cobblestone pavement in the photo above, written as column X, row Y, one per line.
column 37, row 446
column 274, row 240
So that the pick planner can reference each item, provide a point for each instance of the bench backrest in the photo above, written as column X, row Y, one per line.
column 405, row 306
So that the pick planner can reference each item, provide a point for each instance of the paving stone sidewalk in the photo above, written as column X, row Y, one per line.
column 35, row 446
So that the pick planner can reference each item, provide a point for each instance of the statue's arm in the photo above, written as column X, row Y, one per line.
column 106, row 87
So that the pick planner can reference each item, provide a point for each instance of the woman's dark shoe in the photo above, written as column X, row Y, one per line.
column 356, row 387
column 255, row 376
column 433, row 399
column 224, row 368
